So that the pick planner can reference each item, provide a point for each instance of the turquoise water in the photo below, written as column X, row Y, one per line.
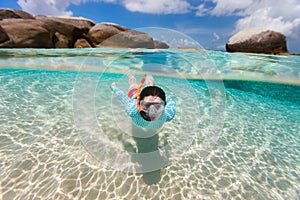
column 63, row 134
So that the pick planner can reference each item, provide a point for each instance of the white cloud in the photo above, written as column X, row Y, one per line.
column 262, row 18
column 224, row 7
column 230, row 7
column 201, row 10
column 47, row 7
column 158, row 6
column 60, row 7
column 282, row 17
column 53, row 7
column 276, row 15
column 216, row 37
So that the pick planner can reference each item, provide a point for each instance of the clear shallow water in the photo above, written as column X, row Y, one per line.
column 254, row 126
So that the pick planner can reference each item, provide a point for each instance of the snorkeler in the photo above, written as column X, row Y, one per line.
column 148, row 107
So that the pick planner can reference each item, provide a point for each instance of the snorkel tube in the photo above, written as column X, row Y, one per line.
column 138, row 98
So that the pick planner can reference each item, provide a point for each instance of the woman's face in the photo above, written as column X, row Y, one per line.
column 152, row 106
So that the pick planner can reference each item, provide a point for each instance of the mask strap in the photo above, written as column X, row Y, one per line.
column 138, row 98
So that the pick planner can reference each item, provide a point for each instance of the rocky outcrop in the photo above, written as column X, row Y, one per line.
column 129, row 39
column 257, row 40
column 26, row 33
column 3, row 36
column 10, row 13
column 82, row 43
column 100, row 32
column 160, row 45
column 19, row 29
column 67, row 30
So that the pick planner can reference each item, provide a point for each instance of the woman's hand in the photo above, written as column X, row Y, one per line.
column 113, row 84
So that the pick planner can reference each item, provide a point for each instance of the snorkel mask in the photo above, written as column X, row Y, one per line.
column 153, row 101
column 152, row 109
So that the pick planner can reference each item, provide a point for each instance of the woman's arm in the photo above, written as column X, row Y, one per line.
column 120, row 94
column 129, row 104
column 170, row 109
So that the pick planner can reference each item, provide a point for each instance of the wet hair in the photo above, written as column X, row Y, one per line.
column 153, row 91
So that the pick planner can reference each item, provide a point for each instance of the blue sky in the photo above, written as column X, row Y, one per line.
column 209, row 22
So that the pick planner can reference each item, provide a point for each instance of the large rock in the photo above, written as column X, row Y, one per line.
column 102, row 31
column 3, row 35
column 26, row 33
column 82, row 43
column 116, row 36
column 67, row 30
column 6, row 13
column 129, row 39
column 19, row 29
column 257, row 40
column 160, row 45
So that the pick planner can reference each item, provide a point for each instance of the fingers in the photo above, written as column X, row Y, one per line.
column 113, row 84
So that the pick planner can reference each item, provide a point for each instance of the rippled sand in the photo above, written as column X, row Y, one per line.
column 42, row 155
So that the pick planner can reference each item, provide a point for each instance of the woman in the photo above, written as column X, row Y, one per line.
column 148, row 107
